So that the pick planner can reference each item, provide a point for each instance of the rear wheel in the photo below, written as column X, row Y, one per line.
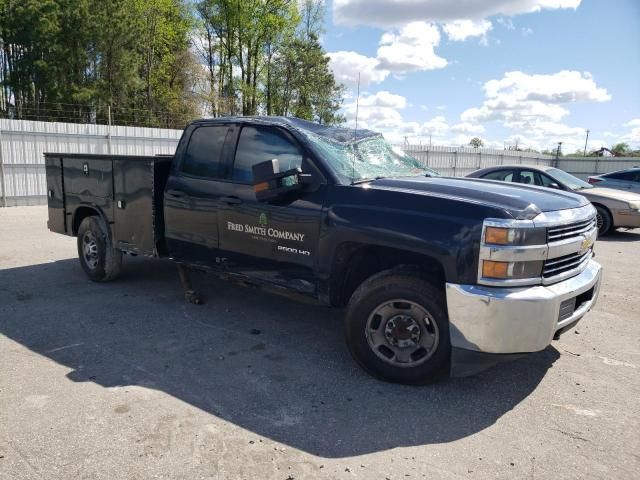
column 604, row 220
column 397, row 328
column 100, row 261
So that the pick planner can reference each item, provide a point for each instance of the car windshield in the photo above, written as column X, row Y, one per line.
column 568, row 180
column 368, row 159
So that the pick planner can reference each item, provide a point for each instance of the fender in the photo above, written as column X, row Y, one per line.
column 83, row 210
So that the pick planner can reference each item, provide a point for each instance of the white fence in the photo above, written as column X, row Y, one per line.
column 459, row 161
column 583, row 167
column 22, row 144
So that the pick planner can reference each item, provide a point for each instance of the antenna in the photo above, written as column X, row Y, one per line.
column 355, row 133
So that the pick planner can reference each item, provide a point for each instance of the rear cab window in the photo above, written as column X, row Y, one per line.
column 203, row 156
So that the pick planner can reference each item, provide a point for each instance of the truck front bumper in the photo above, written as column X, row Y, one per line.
column 487, row 323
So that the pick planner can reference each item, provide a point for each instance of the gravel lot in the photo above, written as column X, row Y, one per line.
column 127, row 381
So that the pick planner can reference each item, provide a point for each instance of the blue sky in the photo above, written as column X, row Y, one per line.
column 529, row 71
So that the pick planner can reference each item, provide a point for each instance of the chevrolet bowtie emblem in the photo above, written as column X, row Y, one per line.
column 586, row 244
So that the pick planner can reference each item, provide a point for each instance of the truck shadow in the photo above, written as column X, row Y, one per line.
column 621, row 235
column 267, row 364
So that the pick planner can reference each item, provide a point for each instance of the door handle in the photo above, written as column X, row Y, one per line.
column 175, row 193
column 231, row 200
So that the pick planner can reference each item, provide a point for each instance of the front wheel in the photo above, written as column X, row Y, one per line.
column 397, row 328
column 604, row 220
column 100, row 261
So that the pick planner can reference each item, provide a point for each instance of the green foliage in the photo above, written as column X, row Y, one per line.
column 476, row 142
column 620, row 148
column 70, row 60
column 263, row 56
column 81, row 60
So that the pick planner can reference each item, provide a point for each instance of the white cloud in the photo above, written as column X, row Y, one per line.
column 378, row 112
column 520, row 100
column 460, row 30
column 526, row 31
column 533, row 106
column 468, row 128
column 632, row 137
column 411, row 49
column 387, row 13
column 506, row 22
column 383, row 99
column 562, row 87
column 436, row 126
column 381, row 112
column 346, row 66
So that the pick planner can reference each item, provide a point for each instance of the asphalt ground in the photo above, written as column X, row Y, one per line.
column 127, row 381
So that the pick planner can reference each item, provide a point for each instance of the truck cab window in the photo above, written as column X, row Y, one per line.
column 260, row 144
column 203, row 155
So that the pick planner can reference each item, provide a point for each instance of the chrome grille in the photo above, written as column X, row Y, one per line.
column 559, row 265
column 563, row 232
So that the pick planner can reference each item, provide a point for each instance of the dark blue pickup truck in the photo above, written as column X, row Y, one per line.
column 437, row 275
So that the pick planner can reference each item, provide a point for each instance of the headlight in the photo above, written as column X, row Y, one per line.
column 514, row 236
column 510, row 270
column 634, row 204
column 511, row 252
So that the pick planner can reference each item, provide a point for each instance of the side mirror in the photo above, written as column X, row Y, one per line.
column 270, row 183
column 555, row 185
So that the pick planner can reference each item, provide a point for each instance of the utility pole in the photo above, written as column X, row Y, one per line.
column 109, row 129
column 558, row 153
column 585, row 143
column 3, row 183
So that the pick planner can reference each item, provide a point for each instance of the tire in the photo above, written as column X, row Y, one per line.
column 605, row 222
column 397, row 328
column 99, row 260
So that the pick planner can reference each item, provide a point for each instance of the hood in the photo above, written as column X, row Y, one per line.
column 521, row 201
column 611, row 193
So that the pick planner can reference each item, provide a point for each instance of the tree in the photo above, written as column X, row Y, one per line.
column 620, row 148
column 156, row 62
column 273, row 60
column 476, row 142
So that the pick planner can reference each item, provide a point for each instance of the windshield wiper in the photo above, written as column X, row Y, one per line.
column 365, row 180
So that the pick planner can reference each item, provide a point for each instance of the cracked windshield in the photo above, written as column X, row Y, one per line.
column 369, row 158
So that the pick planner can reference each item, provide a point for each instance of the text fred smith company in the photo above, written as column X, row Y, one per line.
column 265, row 232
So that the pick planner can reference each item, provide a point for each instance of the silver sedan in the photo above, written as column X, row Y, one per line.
column 628, row 180
column 615, row 208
